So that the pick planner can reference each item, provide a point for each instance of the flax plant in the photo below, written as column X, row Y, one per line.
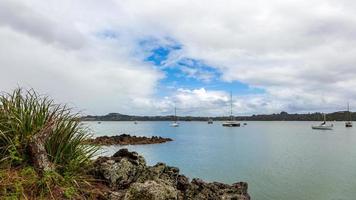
column 23, row 113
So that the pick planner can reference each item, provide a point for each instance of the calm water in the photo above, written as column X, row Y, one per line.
column 279, row 160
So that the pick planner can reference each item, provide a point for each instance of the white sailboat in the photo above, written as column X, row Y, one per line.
column 231, row 122
column 175, row 123
column 348, row 123
column 324, row 125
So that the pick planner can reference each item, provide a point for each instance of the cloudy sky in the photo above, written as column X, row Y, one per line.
column 143, row 57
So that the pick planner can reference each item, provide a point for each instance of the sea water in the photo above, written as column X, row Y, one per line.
column 279, row 160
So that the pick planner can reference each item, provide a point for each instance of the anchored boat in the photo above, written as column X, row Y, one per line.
column 348, row 123
column 231, row 122
column 324, row 125
column 210, row 121
column 175, row 123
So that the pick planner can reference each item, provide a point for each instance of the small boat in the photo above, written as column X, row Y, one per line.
column 245, row 124
column 135, row 122
column 99, row 122
column 323, row 126
column 210, row 121
column 348, row 123
column 231, row 122
column 175, row 123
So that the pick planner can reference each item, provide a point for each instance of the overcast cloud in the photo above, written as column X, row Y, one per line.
column 301, row 54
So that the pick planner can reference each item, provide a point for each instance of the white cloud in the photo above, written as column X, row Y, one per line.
column 92, row 74
column 300, row 52
column 202, row 102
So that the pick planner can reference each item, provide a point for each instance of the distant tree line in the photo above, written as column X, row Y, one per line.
column 283, row 116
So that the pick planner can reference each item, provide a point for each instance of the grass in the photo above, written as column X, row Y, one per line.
column 24, row 113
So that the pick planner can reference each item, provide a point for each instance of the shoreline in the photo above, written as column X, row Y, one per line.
column 126, row 139
column 213, row 121
column 128, row 177
column 282, row 116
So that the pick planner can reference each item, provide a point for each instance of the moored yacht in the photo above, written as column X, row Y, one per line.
column 348, row 123
column 210, row 121
column 175, row 123
column 324, row 125
column 231, row 122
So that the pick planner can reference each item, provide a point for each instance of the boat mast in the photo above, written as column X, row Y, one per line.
column 348, row 111
column 231, row 106
column 175, row 114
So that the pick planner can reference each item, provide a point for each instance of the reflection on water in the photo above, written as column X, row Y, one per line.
column 279, row 160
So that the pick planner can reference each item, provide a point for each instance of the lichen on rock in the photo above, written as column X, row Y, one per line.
column 151, row 190
column 127, row 174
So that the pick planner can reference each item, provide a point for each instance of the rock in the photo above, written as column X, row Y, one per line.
column 200, row 190
column 127, row 174
column 120, row 170
column 161, row 172
column 124, row 153
column 182, row 183
column 151, row 190
column 125, row 139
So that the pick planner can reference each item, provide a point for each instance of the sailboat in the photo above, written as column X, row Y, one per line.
column 348, row 123
column 175, row 123
column 231, row 122
column 323, row 126
column 210, row 121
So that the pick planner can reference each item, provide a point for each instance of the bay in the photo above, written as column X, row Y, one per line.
column 279, row 160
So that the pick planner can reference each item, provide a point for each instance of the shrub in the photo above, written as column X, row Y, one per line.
column 23, row 114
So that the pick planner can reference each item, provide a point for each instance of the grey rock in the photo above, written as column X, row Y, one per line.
column 131, row 179
column 120, row 170
column 199, row 190
column 151, row 190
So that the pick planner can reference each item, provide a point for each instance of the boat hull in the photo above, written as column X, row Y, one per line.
column 231, row 124
column 348, row 124
column 174, row 125
column 322, row 127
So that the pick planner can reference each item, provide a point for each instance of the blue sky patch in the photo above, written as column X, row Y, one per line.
column 158, row 51
column 188, row 73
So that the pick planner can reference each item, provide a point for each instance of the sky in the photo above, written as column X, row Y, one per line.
column 146, row 57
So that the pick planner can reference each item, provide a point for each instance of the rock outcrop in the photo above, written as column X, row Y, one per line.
column 125, row 139
column 129, row 178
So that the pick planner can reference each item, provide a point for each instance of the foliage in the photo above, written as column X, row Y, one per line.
column 23, row 114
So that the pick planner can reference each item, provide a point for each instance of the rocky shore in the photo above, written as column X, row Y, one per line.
column 129, row 178
column 125, row 139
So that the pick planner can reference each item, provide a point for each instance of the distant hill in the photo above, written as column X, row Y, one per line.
column 283, row 116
